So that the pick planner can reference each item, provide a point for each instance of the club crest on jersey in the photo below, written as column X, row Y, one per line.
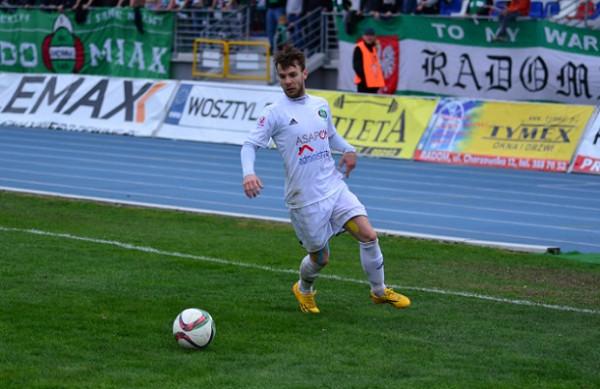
column 323, row 113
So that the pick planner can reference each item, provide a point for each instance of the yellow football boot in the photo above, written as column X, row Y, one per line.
column 306, row 300
column 393, row 298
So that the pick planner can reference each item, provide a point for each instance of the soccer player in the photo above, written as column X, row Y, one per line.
column 320, row 203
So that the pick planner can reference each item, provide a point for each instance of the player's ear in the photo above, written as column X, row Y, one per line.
column 305, row 73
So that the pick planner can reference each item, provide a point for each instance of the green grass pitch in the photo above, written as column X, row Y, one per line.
column 97, row 313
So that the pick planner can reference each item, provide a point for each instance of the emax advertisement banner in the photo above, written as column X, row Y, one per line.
column 216, row 112
column 85, row 103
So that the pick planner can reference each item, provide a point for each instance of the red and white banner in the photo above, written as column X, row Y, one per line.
column 389, row 55
column 587, row 157
column 84, row 103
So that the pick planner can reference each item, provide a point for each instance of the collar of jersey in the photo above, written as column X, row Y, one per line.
column 298, row 99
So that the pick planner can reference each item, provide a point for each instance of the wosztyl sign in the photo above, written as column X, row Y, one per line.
column 216, row 112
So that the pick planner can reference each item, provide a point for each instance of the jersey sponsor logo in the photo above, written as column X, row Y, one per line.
column 322, row 155
column 302, row 148
column 311, row 136
column 261, row 121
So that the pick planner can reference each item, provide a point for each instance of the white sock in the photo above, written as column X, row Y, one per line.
column 309, row 271
column 371, row 260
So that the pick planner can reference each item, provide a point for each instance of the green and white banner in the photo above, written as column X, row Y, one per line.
column 540, row 61
column 107, row 42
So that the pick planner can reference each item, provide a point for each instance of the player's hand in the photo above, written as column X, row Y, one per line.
column 349, row 160
column 252, row 185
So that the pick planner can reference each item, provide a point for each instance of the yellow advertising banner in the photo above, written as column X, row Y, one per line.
column 379, row 125
column 513, row 135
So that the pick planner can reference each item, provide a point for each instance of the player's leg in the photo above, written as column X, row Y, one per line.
column 310, row 267
column 350, row 214
column 371, row 259
column 313, row 229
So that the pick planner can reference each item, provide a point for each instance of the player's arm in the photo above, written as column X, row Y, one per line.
column 251, row 183
column 348, row 159
column 259, row 136
column 338, row 143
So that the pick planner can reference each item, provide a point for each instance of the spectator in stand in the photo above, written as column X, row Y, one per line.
column 96, row 3
column 16, row 3
column 365, row 62
column 13, row 4
column 381, row 8
column 49, row 5
column 585, row 10
column 409, row 6
column 155, row 5
column 371, row 8
column 179, row 4
column 293, row 11
column 508, row 15
column 282, row 38
column 275, row 8
column 428, row 7
column 352, row 14
column 390, row 7
column 222, row 5
column 480, row 8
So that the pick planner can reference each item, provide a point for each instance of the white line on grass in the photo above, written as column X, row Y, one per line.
column 221, row 261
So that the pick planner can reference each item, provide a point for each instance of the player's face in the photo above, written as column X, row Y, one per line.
column 292, row 80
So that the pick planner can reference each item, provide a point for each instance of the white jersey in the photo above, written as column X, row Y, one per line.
column 301, row 128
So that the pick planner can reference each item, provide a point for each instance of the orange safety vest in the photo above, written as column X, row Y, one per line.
column 371, row 67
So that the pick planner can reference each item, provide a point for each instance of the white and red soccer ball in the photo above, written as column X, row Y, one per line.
column 194, row 328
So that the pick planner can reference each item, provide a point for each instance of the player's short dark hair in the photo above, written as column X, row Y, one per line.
column 290, row 56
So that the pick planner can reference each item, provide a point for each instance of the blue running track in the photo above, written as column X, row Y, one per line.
column 405, row 197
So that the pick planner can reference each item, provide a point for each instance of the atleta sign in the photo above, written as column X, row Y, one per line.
column 107, row 43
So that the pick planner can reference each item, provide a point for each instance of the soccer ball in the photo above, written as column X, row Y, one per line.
column 194, row 328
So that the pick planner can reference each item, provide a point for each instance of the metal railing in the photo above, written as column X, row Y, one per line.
column 237, row 60
column 305, row 33
column 193, row 23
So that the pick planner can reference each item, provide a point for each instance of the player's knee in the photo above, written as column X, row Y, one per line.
column 321, row 257
column 368, row 236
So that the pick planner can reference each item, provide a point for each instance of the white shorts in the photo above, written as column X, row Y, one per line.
column 316, row 223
